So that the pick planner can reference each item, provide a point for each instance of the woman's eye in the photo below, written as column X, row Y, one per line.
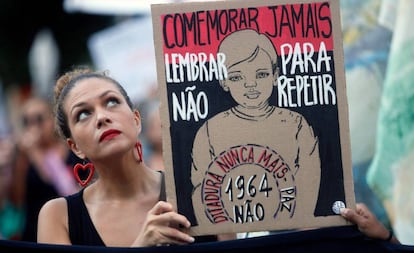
column 112, row 102
column 235, row 78
column 262, row 74
column 82, row 115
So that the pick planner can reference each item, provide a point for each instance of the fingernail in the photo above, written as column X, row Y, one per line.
column 192, row 239
column 343, row 211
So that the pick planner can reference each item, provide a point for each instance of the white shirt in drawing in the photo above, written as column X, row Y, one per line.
column 239, row 141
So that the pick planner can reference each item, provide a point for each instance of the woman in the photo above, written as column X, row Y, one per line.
column 124, row 206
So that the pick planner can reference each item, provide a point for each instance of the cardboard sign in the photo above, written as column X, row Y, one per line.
column 254, row 113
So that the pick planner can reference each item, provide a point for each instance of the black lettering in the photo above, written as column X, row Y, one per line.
column 178, row 19
column 200, row 20
column 328, row 33
column 310, row 23
column 166, row 41
column 274, row 15
column 238, row 214
column 232, row 20
column 297, row 18
column 253, row 14
column 286, row 23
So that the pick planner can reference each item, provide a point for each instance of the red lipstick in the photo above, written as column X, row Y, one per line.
column 109, row 134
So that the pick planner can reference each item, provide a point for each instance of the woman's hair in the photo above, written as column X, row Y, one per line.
column 64, row 85
column 245, row 44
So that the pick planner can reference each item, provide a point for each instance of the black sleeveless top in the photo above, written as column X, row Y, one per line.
column 82, row 231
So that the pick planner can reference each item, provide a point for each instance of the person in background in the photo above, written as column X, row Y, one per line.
column 11, row 217
column 126, row 205
column 368, row 223
column 153, row 133
column 42, row 168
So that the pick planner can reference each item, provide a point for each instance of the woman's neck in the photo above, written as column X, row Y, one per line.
column 124, row 181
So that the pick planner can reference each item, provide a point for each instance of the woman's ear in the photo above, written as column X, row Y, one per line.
column 138, row 121
column 72, row 145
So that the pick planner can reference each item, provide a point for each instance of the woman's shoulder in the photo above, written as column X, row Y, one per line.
column 53, row 207
column 53, row 214
column 52, row 222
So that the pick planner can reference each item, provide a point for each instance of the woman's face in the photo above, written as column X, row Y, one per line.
column 101, row 122
column 251, row 82
column 37, row 119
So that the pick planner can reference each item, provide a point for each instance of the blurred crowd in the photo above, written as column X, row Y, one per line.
column 36, row 166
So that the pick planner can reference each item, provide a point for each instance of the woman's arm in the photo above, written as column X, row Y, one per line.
column 53, row 223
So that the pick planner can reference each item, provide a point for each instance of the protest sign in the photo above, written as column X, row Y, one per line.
column 254, row 113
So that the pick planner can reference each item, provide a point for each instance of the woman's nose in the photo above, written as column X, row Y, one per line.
column 102, row 118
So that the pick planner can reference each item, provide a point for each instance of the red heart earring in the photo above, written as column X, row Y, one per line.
column 88, row 168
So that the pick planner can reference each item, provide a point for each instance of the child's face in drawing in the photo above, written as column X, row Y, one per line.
column 251, row 82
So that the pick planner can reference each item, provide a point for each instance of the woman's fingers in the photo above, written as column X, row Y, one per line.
column 161, row 207
column 165, row 226
column 175, row 236
column 164, row 213
column 352, row 215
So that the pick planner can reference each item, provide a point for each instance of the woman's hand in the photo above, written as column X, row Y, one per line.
column 163, row 226
column 367, row 222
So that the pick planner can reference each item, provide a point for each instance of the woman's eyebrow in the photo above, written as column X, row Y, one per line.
column 80, row 104
column 106, row 93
